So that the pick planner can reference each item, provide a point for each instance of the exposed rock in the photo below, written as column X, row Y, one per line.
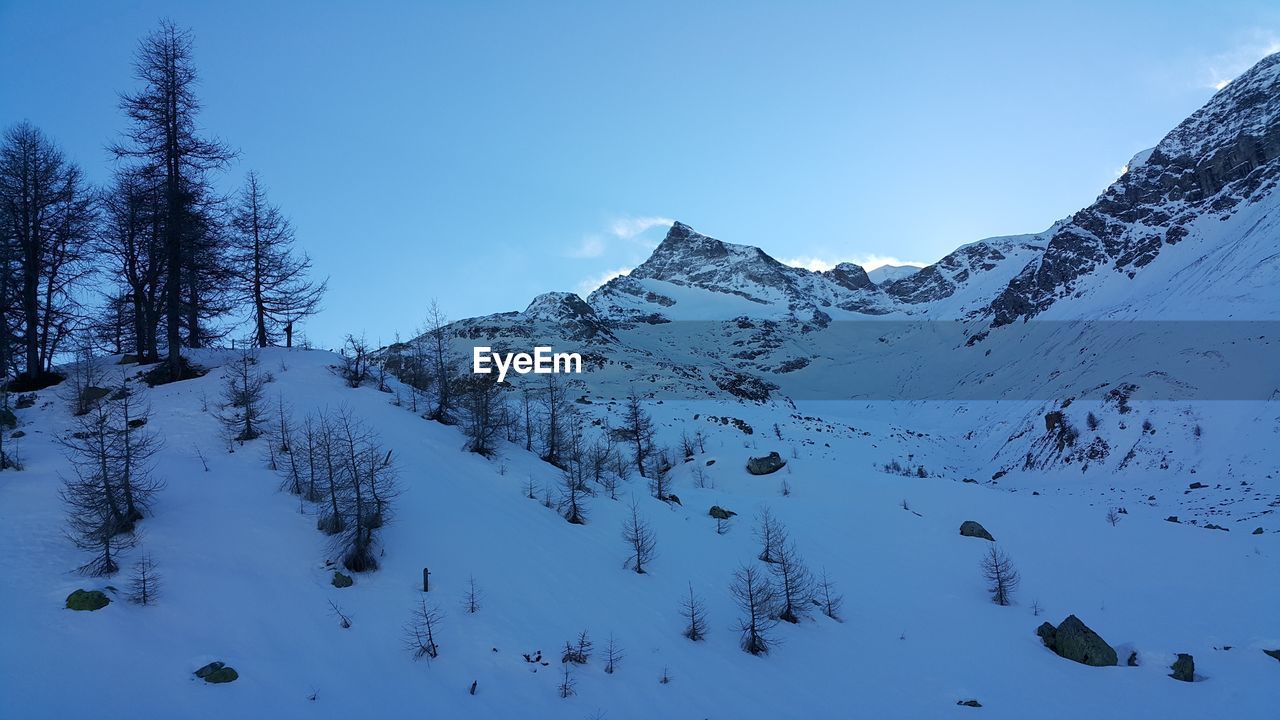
column 1257, row 531
column 25, row 401
column 1273, row 653
column 972, row 528
column 1184, row 668
column 87, row 600
column 969, row 703
column 770, row 463
column 1133, row 659
column 342, row 581
column 92, row 394
column 1219, row 157
column 1074, row 640
column 720, row 513
column 1172, row 519
column 217, row 672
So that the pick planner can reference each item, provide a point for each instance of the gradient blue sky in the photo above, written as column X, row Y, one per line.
column 484, row 152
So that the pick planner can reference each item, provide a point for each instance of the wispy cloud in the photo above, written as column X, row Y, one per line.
column 1224, row 67
column 586, row 286
column 627, row 229
column 868, row 262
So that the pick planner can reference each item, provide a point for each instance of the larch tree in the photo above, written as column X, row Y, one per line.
column 267, row 274
column 641, row 541
column 47, row 220
column 756, row 598
column 1002, row 577
column 638, row 431
column 163, row 138
column 794, row 584
column 130, row 241
column 694, row 613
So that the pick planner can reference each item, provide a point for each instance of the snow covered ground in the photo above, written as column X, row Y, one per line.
column 245, row 581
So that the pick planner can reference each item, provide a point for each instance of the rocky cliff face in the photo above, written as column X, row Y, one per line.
column 689, row 259
column 1222, row 156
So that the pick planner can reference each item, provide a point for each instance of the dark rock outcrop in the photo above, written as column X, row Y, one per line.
column 1075, row 641
column 973, row 528
column 217, row 672
column 720, row 513
column 1184, row 668
column 87, row 600
column 770, row 463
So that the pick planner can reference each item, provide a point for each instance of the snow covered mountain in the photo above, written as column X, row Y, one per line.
column 1188, row 233
column 1103, row 397
column 889, row 273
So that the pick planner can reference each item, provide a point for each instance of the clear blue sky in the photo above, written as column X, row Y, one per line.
column 484, row 152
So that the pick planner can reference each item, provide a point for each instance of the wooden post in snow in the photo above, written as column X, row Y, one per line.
column 426, row 586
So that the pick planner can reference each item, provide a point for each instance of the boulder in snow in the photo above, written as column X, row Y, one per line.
column 972, row 528
column 720, row 513
column 217, row 672
column 1184, row 668
column 87, row 600
column 770, row 463
column 1074, row 640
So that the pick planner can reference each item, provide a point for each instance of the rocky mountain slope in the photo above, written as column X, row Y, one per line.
column 1188, row 233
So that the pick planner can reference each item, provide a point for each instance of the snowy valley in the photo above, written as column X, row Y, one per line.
column 1080, row 423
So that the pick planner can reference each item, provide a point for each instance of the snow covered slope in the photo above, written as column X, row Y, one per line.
column 889, row 273
column 246, row 582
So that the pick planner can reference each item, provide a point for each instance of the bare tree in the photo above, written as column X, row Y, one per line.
column 441, row 361
column 163, row 137
column 556, row 410
column 771, row 535
column 579, row 651
column 94, row 521
column 47, row 219
column 660, row 476
column 571, row 498
column 284, row 459
column 612, row 655
column 1001, row 575
column 794, row 583
column 638, row 430
column 568, row 685
column 828, row 599
column 367, row 477
column 641, row 540
column 110, row 452
column 1113, row 517
column 694, row 613
column 471, row 598
column 485, row 412
column 756, row 598
column 343, row 620
column 420, row 631
column 243, row 395
column 130, row 241
column 354, row 361
column 144, row 583
column 266, row 273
